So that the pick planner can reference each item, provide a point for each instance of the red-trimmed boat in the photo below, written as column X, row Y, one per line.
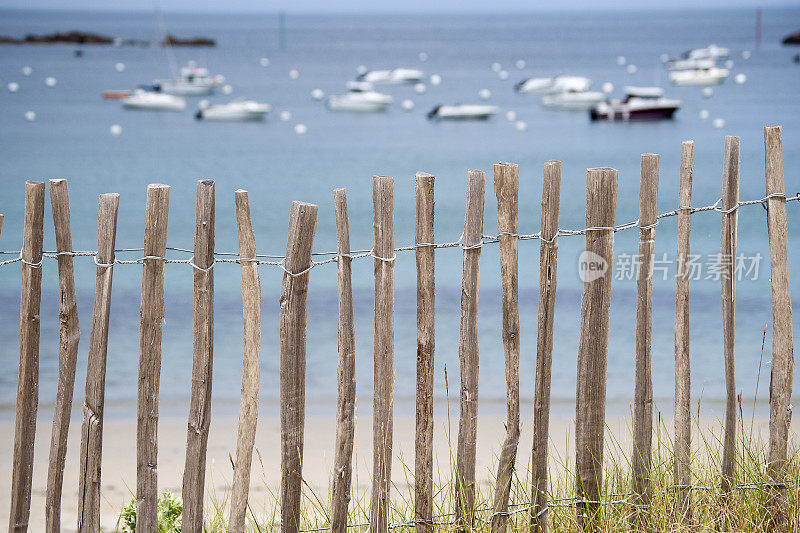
column 640, row 103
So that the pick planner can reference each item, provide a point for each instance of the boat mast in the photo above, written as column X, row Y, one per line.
column 162, row 30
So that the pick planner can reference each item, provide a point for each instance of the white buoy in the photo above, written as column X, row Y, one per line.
column 729, row 64
column 745, row 54
column 420, row 88
column 285, row 116
column 30, row 116
column 621, row 61
column 27, row 71
column 520, row 64
column 707, row 92
column 664, row 58
column 300, row 129
column 50, row 81
column 436, row 79
column 120, row 67
column 115, row 129
column 631, row 69
column 718, row 123
column 511, row 116
column 484, row 94
column 521, row 125
column 497, row 67
column 13, row 87
column 407, row 105
column 227, row 89
column 740, row 78
column 264, row 62
column 503, row 75
column 204, row 104
column 362, row 69
column 608, row 87
column 423, row 56
column 294, row 74
column 317, row 94
column 704, row 114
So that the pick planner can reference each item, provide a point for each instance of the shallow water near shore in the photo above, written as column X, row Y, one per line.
column 70, row 138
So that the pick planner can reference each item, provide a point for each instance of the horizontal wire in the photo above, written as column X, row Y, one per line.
column 333, row 257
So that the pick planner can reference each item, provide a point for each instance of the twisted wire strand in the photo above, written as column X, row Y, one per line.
column 333, row 256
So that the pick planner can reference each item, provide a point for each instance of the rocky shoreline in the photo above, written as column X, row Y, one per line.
column 88, row 38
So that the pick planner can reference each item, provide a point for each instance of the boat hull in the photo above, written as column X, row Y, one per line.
column 650, row 114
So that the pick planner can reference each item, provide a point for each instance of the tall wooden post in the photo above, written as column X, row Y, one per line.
column 730, row 199
column 468, row 352
column 506, row 188
column 251, row 363
column 548, row 256
column 346, row 383
column 683, row 397
column 294, row 292
column 596, row 263
column 94, row 403
column 643, row 390
column 152, row 318
column 780, row 414
column 28, row 380
column 194, row 472
column 426, row 305
column 69, row 334
column 382, row 422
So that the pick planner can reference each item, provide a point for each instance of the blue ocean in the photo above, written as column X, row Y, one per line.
column 70, row 138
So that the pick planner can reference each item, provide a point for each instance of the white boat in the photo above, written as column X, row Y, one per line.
column 240, row 110
column 690, row 64
column 640, row 103
column 398, row 76
column 359, row 101
column 573, row 100
column 463, row 112
column 193, row 81
column 148, row 100
column 551, row 85
column 699, row 76
column 710, row 52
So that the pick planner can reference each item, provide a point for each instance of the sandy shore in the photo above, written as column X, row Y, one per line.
column 119, row 458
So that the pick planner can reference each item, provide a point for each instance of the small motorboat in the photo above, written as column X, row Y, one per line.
column 360, row 99
column 554, row 85
column 240, row 110
column 398, row 76
column 116, row 95
column 193, row 81
column 699, row 76
column 690, row 64
column 710, row 52
column 153, row 101
column 573, row 100
column 463, row 112
column 640, row 103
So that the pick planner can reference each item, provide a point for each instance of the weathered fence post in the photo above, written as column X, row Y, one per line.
column 28, row 380
column 346, row 393
column 152, row 318
column 595, row 265
column 782, row 336
column 294, row 292
column 506, row 188
column 683, row 421
column 194, row 472
column 468, row 351
column 382, row 423
column 426, row 343
column 251, row 363
column 92, row 427
column 643, row 390
column 69, row 334
column 548, row 256
column 730, row 199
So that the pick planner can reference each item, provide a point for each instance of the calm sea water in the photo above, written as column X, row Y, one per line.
column 70, row 138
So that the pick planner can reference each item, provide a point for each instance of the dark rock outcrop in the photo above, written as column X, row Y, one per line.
column 792, row 39
column 171, row 40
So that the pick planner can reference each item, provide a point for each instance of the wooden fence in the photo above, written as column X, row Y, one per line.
column 601, row 201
